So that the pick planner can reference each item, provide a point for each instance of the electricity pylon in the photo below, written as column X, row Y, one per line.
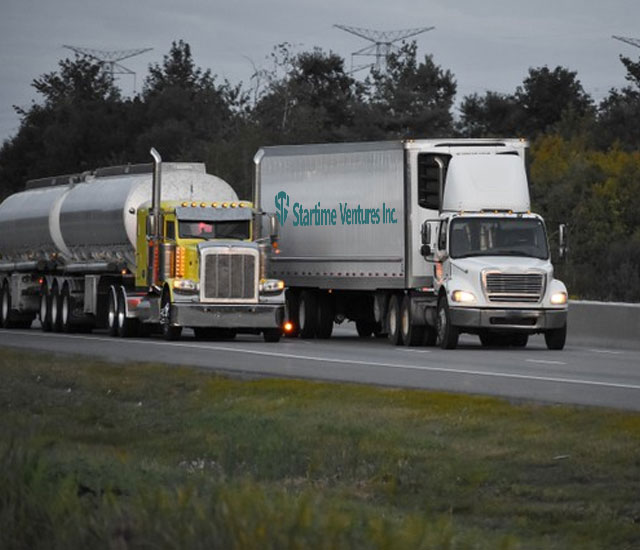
column 109, row 60
column 383, row 44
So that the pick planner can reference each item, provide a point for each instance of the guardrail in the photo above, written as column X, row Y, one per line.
column 608, row 324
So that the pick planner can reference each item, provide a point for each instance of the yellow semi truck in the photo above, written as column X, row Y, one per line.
column 137, row 249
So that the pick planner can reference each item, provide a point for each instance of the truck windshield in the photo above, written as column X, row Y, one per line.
column 214, row 229
column 498, row 237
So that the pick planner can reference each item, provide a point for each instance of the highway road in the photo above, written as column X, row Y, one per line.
column 580, row 375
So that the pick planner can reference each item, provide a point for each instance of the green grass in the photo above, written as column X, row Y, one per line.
column 101, row 455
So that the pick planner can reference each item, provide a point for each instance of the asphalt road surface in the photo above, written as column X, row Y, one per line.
column 577, row 375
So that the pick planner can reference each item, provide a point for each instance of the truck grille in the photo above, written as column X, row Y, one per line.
column 514, row 287
column 229, row 277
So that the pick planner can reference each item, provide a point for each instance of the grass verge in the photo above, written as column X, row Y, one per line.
column 102, row 455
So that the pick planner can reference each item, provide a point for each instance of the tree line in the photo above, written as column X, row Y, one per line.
column 584, row 161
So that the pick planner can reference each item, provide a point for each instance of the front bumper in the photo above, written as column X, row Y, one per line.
column 250, row 316
column 525, row 320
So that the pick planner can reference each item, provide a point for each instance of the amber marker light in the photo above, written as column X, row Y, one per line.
column 288, row 327
column 214, row 204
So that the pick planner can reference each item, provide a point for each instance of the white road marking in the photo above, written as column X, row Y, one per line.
column 609, row 351
column 545, row 362
column 487, row 374
column 414, row 350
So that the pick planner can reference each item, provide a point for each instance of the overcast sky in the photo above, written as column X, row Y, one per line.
column 488, row 45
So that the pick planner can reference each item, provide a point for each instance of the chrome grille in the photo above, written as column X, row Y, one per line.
column 229, row 276
column 514, row 287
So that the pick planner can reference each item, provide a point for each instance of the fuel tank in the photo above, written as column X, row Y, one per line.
column 94, row 219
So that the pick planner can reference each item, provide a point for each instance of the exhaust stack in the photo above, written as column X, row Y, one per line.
column 155, row 193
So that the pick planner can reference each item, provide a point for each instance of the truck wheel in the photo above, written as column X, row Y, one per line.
column 324, row 322
column 112, row 312
column 556, row 338
column 291, row 313
column 412, row 334
column 272, row 335
column 393, row 321
column 126, row 327
column 307, row 314
column 365, row 328
column 66, row 307
column 447, row 333
column 54, row 308
column 169, row 331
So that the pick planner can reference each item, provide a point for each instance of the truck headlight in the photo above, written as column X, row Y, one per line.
column 271, row 286
column 185, row 285
column 559, row 298
column 462, row 296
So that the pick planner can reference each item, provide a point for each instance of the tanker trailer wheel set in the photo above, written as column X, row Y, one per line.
column 138, row 249
column 418, row 240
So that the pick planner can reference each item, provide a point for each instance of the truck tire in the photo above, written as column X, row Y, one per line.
column 169, row 332
column 291, row 313
column 324, row 322
column 272, row 335
column 393, row 321
column 307, row 314
column 447, row 333
column 44, row 311
column 556, row 338
column 126, row 327
column 412, row 334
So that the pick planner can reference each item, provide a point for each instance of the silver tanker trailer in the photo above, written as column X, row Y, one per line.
column 134, row 248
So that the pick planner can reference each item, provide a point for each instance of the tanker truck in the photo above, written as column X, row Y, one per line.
column 420, row 240
column 137, row 249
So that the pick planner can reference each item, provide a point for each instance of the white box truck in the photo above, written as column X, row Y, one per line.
column 420, row 240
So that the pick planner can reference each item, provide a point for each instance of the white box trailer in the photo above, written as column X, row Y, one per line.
column 366, row 235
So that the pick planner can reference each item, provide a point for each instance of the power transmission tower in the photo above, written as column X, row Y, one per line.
column 109, row 60
column 633, row 41
column 383, row 43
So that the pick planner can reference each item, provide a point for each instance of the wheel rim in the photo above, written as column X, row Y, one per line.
column 5, row 306
column 65, row 309
column 393, row 320
column 405, row 322
column 121, row 317
column 112, row 312
column 302, row 314
column 54, row 307
column 43, row 308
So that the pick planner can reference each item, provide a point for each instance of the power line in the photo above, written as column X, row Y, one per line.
column 633, row 41
column 383, row 43
column 109, row 60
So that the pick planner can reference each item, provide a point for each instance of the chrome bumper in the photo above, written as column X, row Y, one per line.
column 526, row 320
column 253, row 316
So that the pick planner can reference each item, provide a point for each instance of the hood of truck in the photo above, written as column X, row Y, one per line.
column 511, row 264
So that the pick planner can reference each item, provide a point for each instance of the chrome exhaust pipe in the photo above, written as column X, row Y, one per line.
column 155, row 193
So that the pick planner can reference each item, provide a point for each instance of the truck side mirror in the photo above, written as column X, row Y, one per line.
column 563, row 240
column 426, row 233
column 274, row 227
